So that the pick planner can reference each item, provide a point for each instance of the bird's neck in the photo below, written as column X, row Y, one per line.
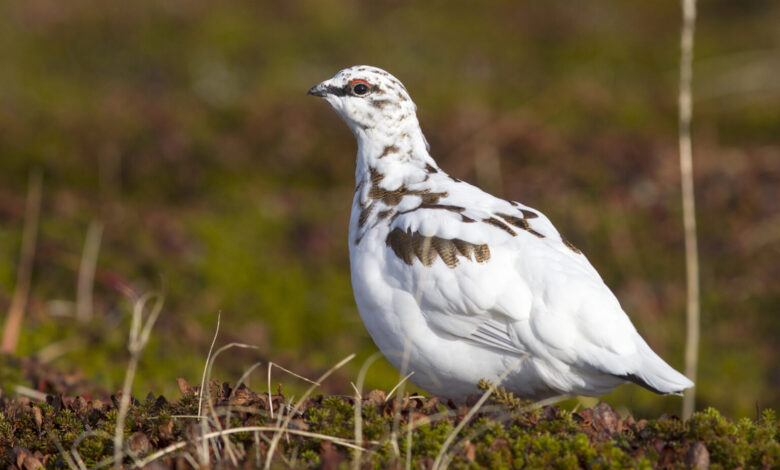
column 400, row 152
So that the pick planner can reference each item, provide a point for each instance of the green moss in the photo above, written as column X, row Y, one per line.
column 427, row 439
column 501, row 436
column 93, row 449
column 68, row 427
column 741, row 444
column 335, row 417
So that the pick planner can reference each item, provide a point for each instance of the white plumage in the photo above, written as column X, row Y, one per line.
column 456, row 285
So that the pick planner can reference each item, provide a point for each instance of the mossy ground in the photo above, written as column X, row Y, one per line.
column 396, row 431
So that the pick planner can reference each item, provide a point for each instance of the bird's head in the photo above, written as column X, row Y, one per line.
column 369, row 100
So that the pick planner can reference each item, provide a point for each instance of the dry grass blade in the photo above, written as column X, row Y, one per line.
column 65, row 454
column 398, row 385
column 255, row 429
column 359, row 407
column 233, row 392
column 290, row 414
column 688, row 203
column 437, row 464
column 139, row 337
column 87, row 269
column 203, row 451
column 75, row 446
column 31, row 393
column 206, row 366
column 32, row 211
column 271, row 365
column 57, row 349
column 203, row 422
column 79, row 461
column 484, row 428
column 408, row 462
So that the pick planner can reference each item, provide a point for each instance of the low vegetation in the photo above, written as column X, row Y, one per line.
column 238, row 427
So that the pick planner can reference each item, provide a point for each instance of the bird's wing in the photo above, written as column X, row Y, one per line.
column 499, row 274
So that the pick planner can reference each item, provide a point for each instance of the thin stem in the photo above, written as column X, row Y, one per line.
column 438, row 463
column 139, row 337
column 688, row 202
column 32, row 211
column 87, row 269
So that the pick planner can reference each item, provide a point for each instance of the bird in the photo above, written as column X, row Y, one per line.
column 455, row 285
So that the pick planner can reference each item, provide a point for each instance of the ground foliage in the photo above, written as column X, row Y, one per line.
column 505, row 433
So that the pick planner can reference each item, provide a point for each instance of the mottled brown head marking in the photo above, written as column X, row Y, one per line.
column 380, row 104
column 368, row 99
column 409, row 245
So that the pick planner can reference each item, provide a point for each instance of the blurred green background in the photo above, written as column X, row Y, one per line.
column 183, row 128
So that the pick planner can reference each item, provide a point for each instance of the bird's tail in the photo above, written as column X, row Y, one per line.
column 656, row 375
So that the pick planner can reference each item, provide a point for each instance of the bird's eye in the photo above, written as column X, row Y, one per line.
column 360, row 87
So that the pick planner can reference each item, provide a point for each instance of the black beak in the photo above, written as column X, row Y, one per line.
column 318, row 90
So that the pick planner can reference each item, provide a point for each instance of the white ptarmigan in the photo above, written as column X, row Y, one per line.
column 456, row 285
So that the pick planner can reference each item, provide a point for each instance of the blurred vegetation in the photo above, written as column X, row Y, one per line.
column 184, row 129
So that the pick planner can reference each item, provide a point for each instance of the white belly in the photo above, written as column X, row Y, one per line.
column 442, row 364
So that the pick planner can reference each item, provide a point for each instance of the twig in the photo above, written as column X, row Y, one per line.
column 32, row 212
column 87, row 271
column 688, row 202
